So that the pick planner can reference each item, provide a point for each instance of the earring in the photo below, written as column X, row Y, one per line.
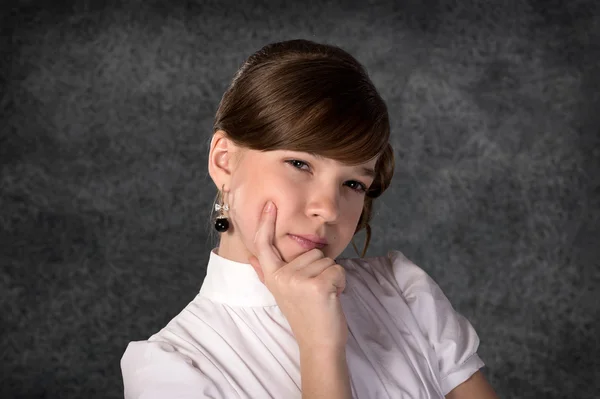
column 222, row 223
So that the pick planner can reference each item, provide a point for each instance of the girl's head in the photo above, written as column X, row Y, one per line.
column 303, row 126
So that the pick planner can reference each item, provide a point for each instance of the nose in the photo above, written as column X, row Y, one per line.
column 324, row 203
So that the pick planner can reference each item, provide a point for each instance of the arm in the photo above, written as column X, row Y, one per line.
column 307, row 292
column 476, row 387
column 324, row 374
column 157, row 370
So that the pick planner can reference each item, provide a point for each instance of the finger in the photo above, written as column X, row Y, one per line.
column 334, row 278
column 267, row 255
column 257, row 268
column 305, row 259
column 315, row 268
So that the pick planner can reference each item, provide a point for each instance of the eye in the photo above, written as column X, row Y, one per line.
column 298, row 164
column 356, row 186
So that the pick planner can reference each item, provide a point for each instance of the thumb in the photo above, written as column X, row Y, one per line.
column 267, row 256
column 257, row 268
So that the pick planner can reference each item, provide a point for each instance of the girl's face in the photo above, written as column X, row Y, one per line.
column 317, row 199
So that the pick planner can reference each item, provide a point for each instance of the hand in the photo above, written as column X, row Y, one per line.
column 306, row 289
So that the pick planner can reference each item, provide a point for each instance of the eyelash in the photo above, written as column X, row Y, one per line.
column 294, row 162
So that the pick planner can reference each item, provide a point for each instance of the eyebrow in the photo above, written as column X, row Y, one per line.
column 364, row 171
column 368, row 172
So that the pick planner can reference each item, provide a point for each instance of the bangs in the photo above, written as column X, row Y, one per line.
column 319, row 107
column 346, row 134
column 299, row 95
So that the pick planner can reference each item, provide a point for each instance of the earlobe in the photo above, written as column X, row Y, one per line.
column 220, row 158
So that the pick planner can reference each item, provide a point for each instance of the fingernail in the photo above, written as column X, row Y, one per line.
column 269, row 207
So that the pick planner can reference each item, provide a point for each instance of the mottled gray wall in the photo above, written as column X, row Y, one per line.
column 104, row 196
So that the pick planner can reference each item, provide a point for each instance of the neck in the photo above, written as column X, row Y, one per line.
column 231, row 247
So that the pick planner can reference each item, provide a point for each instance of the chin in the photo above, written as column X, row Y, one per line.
column 289, row 255
column 292, row 254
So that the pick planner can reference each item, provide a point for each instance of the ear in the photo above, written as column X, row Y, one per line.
column 221, row 158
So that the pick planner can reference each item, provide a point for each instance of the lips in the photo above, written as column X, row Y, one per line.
column 309, row 241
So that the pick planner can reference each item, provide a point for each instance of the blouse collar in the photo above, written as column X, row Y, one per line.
column 234, row 284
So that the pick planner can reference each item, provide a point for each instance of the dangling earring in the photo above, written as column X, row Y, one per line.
column 222, row 223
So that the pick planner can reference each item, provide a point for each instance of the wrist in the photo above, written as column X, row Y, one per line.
column 323, row 355
column 322, row 350
column 324, row 373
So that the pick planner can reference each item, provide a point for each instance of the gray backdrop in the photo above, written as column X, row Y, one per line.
column 104, row 206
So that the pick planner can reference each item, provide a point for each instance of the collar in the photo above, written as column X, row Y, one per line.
column 234, row 284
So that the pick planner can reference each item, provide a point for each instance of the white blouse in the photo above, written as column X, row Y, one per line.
column 405, row 340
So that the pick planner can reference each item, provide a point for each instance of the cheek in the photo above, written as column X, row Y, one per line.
column 247, row 201
column 352, row 215
column 354, row 209
column 244, row 212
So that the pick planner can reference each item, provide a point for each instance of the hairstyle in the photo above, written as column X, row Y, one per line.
column 304, row 96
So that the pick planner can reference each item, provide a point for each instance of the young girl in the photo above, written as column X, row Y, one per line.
column 299, row 152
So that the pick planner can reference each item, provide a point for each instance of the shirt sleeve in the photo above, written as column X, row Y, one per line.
column 156, row 370
column 451, row 335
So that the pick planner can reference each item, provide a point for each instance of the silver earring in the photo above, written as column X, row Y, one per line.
column 222, row 223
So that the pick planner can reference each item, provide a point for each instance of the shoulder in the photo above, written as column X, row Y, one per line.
column 395, row 275
column 170, row 363
column 157, row 369
column 448, row 333
column 415, row 283
column 396, row 269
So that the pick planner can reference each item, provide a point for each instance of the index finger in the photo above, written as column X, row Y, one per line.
column 267, row 255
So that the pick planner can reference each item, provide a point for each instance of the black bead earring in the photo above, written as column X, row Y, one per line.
column 222, row 223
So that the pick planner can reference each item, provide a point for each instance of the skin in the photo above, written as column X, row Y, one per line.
column 318, row 198
column 310, row 195
column 307, row 291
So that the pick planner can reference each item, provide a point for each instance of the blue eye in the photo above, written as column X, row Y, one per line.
column 352, row 184
column 296, row 163
column 356, row 186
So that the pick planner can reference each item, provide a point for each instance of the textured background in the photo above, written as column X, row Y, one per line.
column 106, row 112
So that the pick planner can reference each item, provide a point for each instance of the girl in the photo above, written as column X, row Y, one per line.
column 299, row 152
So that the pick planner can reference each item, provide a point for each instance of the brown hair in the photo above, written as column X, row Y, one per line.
column 304, row 96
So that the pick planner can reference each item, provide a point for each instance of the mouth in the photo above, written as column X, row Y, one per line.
column 309, row 242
